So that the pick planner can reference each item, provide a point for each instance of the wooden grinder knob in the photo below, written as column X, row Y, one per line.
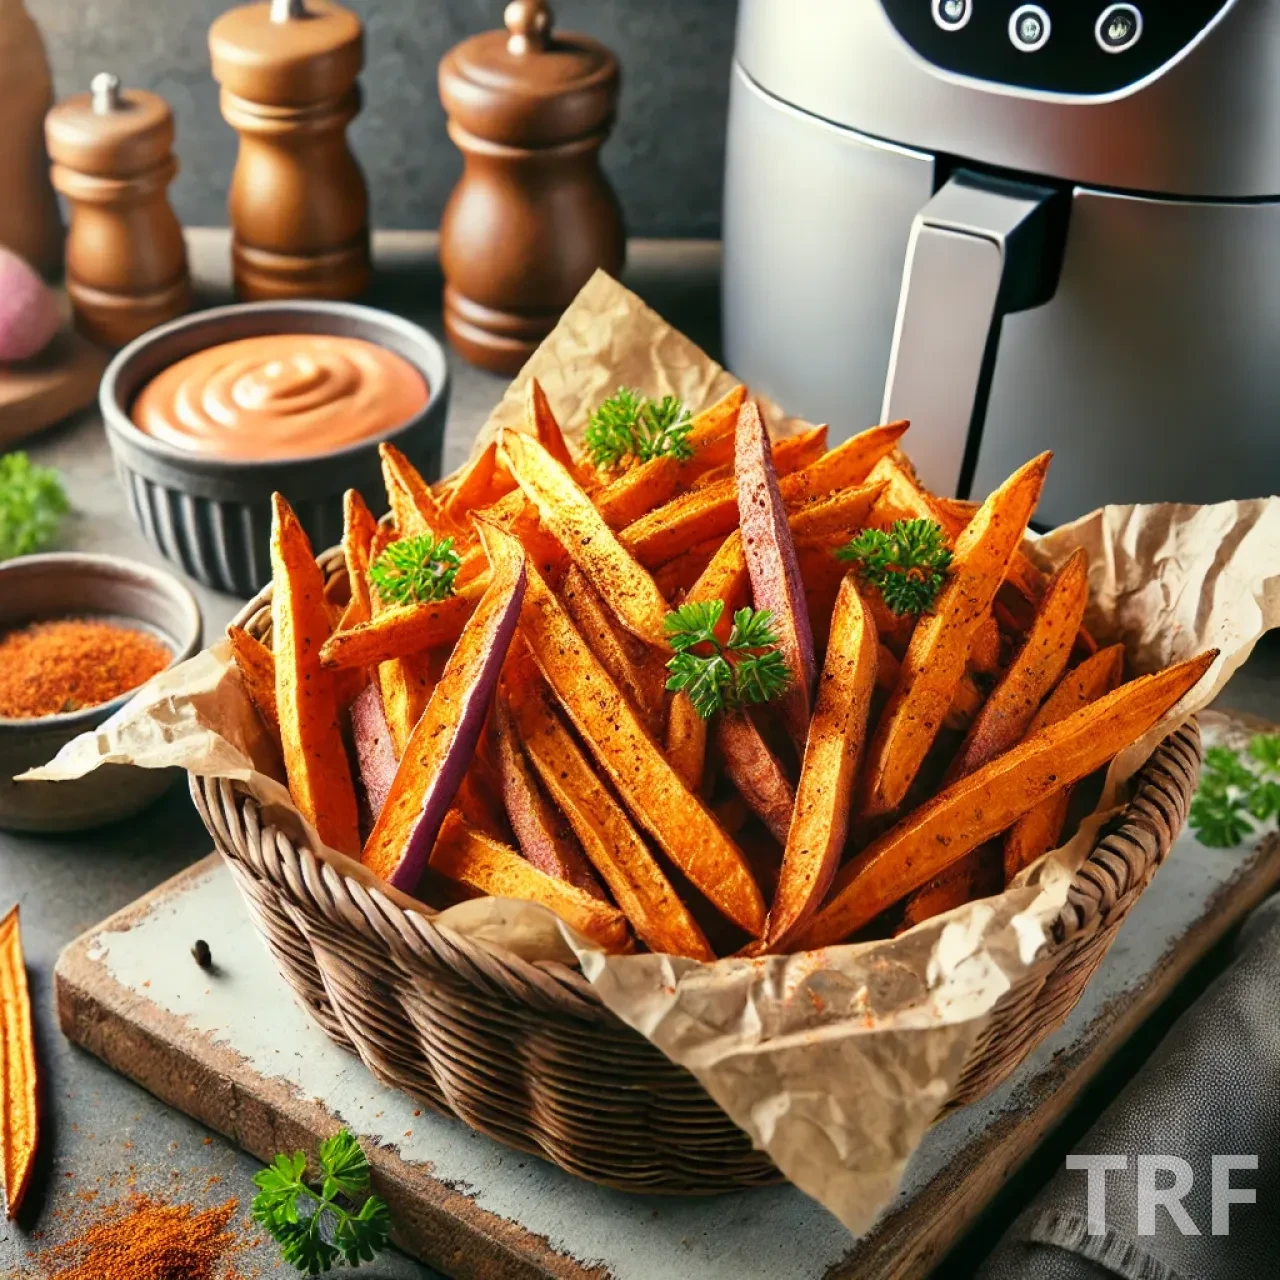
column 112, row 152
column 532, row 217
column 298, row 203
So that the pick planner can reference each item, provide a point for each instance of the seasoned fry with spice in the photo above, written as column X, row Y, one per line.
column 358, row 531
column 989, row 800
column 257, row 666
column 315, row 758
column 756, row 772
column 19, row 1086
column 935, row 659
column 403, row 630
column 413, row 506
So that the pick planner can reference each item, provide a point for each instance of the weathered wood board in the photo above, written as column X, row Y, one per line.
column 60, row 381
column 232, row 1049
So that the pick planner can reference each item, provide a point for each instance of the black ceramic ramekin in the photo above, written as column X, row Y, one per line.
column 212, row 516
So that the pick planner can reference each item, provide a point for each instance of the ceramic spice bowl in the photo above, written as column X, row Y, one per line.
column 49, row 587
column 212, row 515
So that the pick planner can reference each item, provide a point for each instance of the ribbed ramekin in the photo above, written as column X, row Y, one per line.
column 212, row 516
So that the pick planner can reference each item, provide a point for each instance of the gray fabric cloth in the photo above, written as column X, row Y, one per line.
column 1211, row 1087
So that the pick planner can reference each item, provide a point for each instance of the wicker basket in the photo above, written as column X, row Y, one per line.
column 528, row 1055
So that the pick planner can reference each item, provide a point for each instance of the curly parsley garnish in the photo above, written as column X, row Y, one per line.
column 750, row 668
column 629, row 425
column 1237, row 794
column 32, row 504
column 330, row 1232
column 420, row 569
column 907, row 565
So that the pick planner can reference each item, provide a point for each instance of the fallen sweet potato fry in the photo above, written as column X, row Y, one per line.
column 571, row 516
column 444, row 740
column 820, row 820
column 615, row 735
column 989, row 800
column 772, row 567
column 791, row 453
column 935, row 659
column 413, row 506
column 609, row 839
column 491, row 869
column 641, row 488
column 1038, row 830
column 315, row 759
column 544, row 837
column 358, row 530
column 404, row 629
column 257, row 667
column 1035, row 669
column 639, row 675
column 977, row 875
column 19, row 1082
column 713, row 509
column 756, row 772
column 546, row 430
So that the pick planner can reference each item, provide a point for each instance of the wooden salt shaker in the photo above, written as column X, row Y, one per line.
column 113, row 161
column 298, row 203
column 532, row 216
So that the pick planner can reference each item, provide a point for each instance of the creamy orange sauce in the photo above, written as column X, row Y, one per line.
column 283, row 395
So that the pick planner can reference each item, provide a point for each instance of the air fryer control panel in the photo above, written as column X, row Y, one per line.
column 1064, row 46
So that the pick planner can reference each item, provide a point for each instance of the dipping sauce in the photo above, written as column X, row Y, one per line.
column 283, row 395
column 50, row 668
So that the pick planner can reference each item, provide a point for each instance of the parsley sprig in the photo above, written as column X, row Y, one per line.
column 907, row 565
column 1236, row 794
column 749, row 668
column 418, row 569
column 32, row 504
column 330, row 1232
column 628, row 424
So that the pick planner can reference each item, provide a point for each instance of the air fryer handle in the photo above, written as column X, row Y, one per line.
column 981, row 248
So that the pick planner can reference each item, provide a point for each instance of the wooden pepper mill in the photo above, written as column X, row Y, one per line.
column 298, row 203
column 113, row 161
column 532, row 216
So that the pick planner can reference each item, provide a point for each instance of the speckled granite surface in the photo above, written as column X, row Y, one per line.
column 665, row 157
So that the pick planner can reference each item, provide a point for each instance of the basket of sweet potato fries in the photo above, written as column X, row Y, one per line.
column 698, row 692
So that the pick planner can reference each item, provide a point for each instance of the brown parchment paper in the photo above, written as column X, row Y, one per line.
column 836, row 1061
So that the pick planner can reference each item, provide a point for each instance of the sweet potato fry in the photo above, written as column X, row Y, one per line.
column 440, row 750
column 676, row 577
column 404, row 629
column 544, row 837
column 358, row 529
column 713, row 509
column 977, row 875
column 964, row 706
column 887, row 667
column 820, row 820
column 19, row 1082
column 1036, row 667
column 935, row 658
column 404, row 685
column 413, row 506
column 489, row 868
column 989, row 800
column 756, row 772
column 792, row 453
column 1038, row 830
column 615, row 735
column 375, row 752
column 481, row 483
column 257, row 667
column 546, row 430
column 841, row 513
column 609, row 839
column 630, row 664
column 570, row 515
column 984, row 647
column 315, row 759
column 649, row 484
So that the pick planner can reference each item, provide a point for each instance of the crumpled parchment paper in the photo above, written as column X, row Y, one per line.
column 837, row 1061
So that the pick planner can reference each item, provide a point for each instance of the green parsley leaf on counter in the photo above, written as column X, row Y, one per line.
column 749, row 668
column 628, row 425
column 415, row 570
column 907, row 565
column 32, row 504
column 317, row 1230
column 1236, row 793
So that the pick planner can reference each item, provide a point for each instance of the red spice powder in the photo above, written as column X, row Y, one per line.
column 54, row 667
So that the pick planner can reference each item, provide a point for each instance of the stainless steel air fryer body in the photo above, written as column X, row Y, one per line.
column 1024, row 227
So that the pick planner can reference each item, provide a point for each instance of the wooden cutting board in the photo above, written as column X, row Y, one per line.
column 211, row 1045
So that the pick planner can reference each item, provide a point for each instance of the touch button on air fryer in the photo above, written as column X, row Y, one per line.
column 951, row 15
column 1029, row 28
column 1119, row 27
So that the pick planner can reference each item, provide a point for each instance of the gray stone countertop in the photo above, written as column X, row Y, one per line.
column 102, row 1133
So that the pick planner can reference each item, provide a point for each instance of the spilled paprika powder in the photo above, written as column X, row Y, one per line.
column 50, row 668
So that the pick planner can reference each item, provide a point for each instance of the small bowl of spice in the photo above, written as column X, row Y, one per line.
column 79, row 634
